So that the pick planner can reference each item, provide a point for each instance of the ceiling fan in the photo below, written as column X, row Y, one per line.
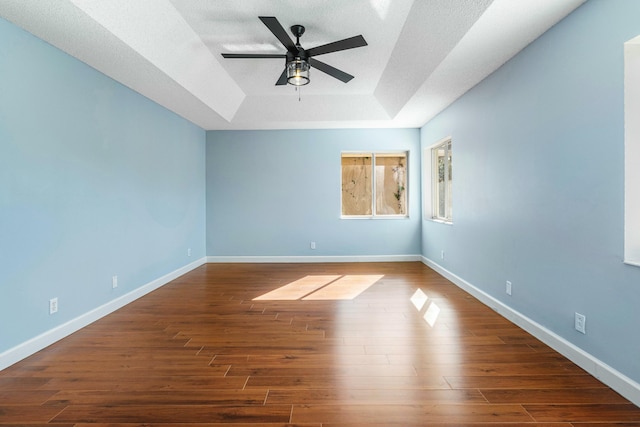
column 299, row 60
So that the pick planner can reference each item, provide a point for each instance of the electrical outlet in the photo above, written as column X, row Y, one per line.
column 581, row 323
column 442, row 254
column 189, row 252
column 508, row 288
column 312, row 245
column 53, row 305
column 114, row 282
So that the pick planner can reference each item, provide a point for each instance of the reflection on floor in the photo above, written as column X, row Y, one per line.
column 419, row 299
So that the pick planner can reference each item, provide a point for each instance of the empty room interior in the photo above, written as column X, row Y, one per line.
column 319, row 213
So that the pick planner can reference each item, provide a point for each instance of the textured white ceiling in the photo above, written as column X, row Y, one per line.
column 421, row 54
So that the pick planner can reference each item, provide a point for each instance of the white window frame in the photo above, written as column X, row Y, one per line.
column 373, row 155
column 632, row 152
column 430, row 184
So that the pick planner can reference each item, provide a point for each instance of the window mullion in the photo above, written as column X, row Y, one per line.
column 447, row 195
column 436, row 187
column 373, row 184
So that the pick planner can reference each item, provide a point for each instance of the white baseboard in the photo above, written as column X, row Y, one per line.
column 619, row 382
column 27, row 348
column 312, row 259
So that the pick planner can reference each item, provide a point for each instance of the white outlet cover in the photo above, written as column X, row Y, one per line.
column 508, row 288
column 53, row 305
column 581, row 323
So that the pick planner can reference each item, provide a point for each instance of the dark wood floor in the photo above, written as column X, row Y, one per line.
column 201, row 352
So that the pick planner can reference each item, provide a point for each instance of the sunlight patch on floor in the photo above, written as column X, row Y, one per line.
column 328, row 287
column 298, row 289
column 347, row 287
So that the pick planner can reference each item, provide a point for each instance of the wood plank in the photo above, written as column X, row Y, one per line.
column 554, row 396
column 25, row 397
column 128, row 383
column 159, row 397
column 175, row 414
column 229, row 424
column 613, row 412
column 446, row 424
column 346, row 382
column 499, row 369
column 606, row 424
column 373, row 396
column 345, row 371
column 21, row 383
column 27, row 414
column 372, row 414
column 487, row 358
column 448, row 349
column 312, row 360
column 524, row 381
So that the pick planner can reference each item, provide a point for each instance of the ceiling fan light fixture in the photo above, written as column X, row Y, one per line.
column 298, row 72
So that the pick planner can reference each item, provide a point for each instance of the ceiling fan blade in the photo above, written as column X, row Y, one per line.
column 332, row 71
column 282, row 80
column 281, row 34
column 350, row 43
column 254, row 55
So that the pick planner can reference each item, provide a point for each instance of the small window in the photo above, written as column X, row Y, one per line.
column 632, row 152
column 374, row 184
column 442, row 174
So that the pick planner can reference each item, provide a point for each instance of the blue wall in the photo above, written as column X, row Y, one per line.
column 95, row 181
column 538, row 184
column 270, row 193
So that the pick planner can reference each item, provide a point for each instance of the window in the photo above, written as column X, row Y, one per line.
column 441, row 179
column 631, row 152
column 374, row 184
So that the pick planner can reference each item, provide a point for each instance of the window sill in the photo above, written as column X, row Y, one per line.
column 383, row 217
column 633, row 263
column 440, row 221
